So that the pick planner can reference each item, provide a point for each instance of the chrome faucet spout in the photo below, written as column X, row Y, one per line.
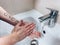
column 51, row 17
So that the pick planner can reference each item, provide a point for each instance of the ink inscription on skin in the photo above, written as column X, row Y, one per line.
column 11, row 18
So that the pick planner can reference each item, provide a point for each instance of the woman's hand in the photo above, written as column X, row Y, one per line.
column 21, row 31
column 35, row 34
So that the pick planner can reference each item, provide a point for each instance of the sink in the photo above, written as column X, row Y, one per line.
column 51, row 37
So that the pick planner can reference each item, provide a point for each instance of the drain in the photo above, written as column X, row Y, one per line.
column 44, row 31
column 34, row 42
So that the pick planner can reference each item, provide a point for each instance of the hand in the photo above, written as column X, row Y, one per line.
column 35, row 34
column 20, row 32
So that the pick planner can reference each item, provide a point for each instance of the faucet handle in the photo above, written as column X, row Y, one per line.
column 52, row 9
column 53, row 12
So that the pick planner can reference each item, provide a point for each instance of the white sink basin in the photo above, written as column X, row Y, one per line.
column 52, row 36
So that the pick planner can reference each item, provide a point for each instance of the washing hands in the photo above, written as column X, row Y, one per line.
column 30, row 31
column 21, row 29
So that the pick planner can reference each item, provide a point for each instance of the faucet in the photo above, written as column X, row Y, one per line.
column 51, row 18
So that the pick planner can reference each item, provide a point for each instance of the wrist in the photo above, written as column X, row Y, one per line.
column 14, row 37
column 8, row 40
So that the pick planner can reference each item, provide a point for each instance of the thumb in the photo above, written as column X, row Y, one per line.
column 20, row 22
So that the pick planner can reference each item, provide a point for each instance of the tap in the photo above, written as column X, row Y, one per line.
column 51, row 18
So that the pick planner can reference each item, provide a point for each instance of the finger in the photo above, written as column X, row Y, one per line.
column 35, row 34
column 26, row 31
column 29, row 31
column 18, row 24
column 28, row 25
column 22, row 23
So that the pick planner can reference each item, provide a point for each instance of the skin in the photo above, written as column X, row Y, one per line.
column 18, row 34
column 21, row 29
column 5, row 16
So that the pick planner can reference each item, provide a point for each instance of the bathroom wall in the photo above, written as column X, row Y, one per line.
column 41, row 6
column 17, row 6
